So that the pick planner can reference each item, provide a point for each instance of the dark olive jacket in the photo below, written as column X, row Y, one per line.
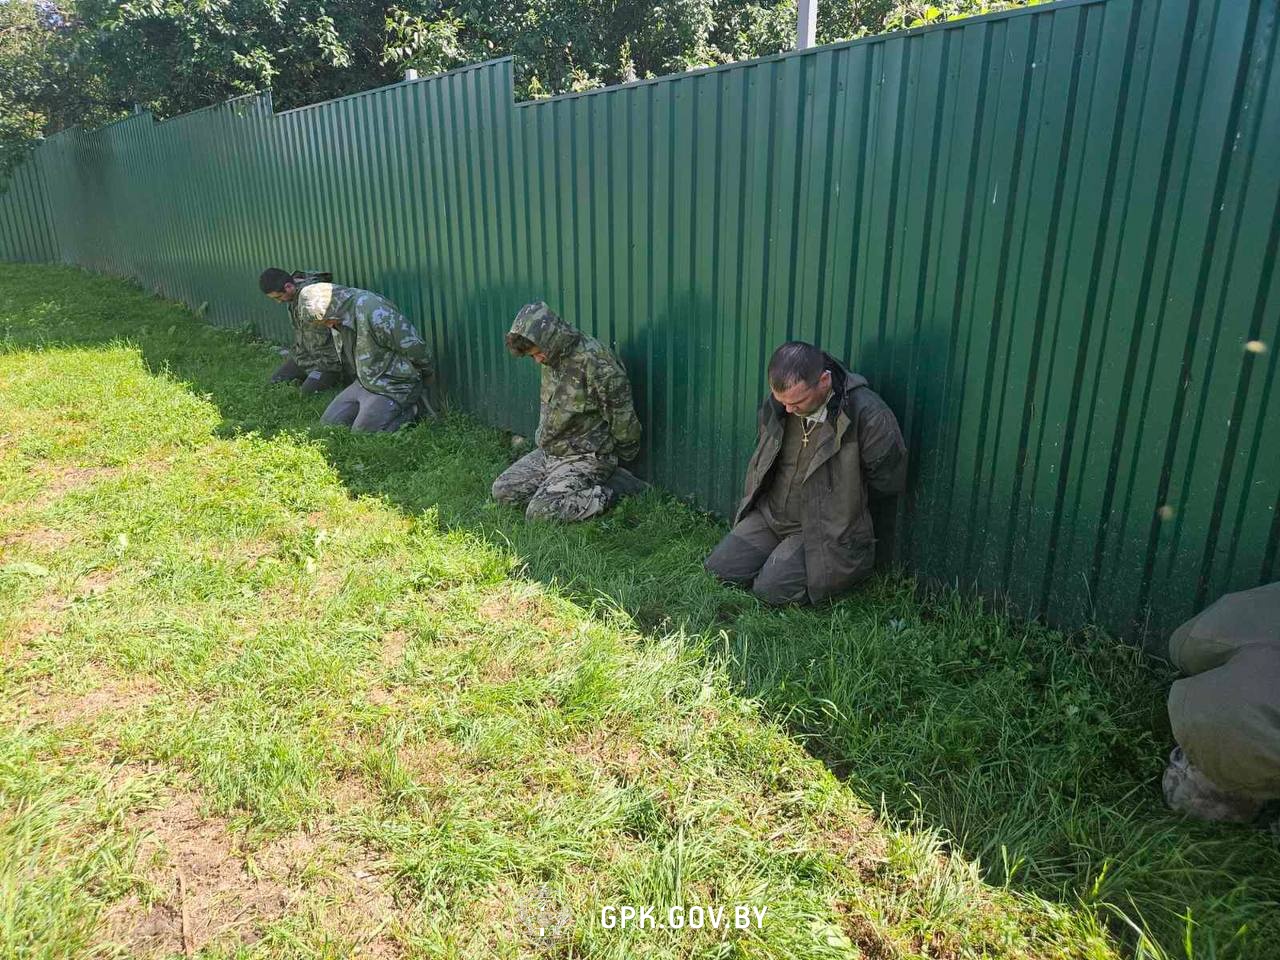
column 859, row 449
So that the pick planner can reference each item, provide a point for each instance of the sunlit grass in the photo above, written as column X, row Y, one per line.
column 359, row 707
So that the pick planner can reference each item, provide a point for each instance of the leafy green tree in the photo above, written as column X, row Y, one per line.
column 45, row 86
column 65, row 62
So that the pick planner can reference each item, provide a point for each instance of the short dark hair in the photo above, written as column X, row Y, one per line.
column 795, row 362
column 273, row 279
column 520, row 346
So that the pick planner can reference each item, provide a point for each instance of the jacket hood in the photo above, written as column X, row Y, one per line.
column 852, row 381
column 538, row 324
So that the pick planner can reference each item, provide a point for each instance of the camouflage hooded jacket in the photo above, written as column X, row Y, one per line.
column 388, row 354
column 586, row 398
column 313, row 346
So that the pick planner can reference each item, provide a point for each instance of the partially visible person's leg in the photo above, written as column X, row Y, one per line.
column 378, row 413
column 624, row 483
column 344, row 408
column 573, row 490
column 783, row 578
column 318, row 381
column 288, row 372
column 520, row 481
column 1227, row 724
column 740, row 556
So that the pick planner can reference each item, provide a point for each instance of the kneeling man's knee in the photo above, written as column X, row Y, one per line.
column 734, row 560
column 502, row 491
column 779, row 593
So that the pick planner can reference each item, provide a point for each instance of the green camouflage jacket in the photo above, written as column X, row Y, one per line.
column 586, row 397
column 389, row 355
column 313, row 345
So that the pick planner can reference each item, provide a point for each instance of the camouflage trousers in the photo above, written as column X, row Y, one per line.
column 557, row 488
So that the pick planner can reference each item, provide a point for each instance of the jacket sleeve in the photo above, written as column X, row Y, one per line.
column 884, row 454
column 398, row 333
column 613, row 393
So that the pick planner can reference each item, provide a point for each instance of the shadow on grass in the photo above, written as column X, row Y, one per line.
column 1036, row 753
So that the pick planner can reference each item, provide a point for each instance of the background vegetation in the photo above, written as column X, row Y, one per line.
column 65, row 62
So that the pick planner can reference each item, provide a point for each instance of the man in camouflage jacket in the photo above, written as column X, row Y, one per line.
column 313, row 360
column 587, row 423
column 378, row 346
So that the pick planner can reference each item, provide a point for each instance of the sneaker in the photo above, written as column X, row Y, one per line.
column 1191, row 793
column 625, row 483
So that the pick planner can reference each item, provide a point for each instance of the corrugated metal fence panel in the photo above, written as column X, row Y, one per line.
column 1045, row 236
column 25, row 231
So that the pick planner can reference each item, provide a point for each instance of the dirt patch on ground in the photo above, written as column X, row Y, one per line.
column 198, row 890
column 617, row 755
column 40, row 539
column 350, row 792
column 433, row 762
column 48, row 539
column 114, row 695
column 203, row 887
column 858, row 928
column 510, row 607
column 245, row 554
column 62, row 480
column 44, row 614
column 39, row 621
column 393, row 647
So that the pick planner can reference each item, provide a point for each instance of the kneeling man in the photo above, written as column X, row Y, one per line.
column 803, row 531
column 587, row 423
column 380, row 348
column 313, row 360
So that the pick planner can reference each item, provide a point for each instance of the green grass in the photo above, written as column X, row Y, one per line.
column 319, row 690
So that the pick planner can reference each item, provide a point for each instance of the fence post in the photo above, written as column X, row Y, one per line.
column 806, row 23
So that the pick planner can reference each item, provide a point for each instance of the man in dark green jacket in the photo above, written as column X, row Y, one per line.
column 803, row 531
column 1225, row 713
column 313, row 360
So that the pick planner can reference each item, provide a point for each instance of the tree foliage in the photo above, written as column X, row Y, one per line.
column 65, row 62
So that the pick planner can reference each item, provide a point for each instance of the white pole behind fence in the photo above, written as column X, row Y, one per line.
column 806, row 23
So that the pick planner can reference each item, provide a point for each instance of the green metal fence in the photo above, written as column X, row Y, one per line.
column 1047, row 237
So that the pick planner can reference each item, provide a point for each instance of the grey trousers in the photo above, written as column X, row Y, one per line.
column 1226, row 713
column 365, row 411
column 752, row 555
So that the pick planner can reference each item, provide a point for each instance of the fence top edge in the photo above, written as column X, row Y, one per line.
column 264, row 94
column 1032, row 10
column 961, row 23
column 468, row 68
